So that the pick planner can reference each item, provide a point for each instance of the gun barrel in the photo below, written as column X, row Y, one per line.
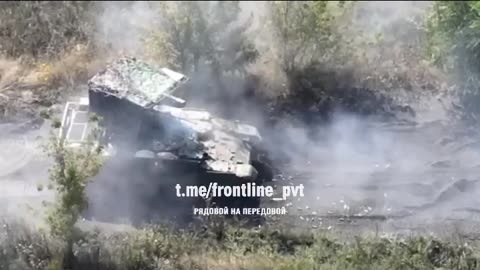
column 176, row 99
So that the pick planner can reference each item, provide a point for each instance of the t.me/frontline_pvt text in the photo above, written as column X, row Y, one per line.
column 244, row 190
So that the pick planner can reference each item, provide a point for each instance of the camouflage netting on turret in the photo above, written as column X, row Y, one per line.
column 136, row 81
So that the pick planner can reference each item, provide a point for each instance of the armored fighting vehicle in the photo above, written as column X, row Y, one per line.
column 154, row 141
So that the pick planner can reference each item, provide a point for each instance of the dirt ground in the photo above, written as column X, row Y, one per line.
column 436, row 196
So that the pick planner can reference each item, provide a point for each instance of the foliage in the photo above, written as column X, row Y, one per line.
column 70, row 173
column 303, row 30
column 240, row 248
column 217, row 43
column 194, row 34
column 38, row 28
column 454, row 45
column 453, row 29
column 71, row 170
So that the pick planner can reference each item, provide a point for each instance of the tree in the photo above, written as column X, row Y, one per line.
column 70, row 173
column 303, row 30
column 204, row 34
column 454, row 45
column 453, row 30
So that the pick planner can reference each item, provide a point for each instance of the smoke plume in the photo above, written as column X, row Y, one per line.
column 353, row 163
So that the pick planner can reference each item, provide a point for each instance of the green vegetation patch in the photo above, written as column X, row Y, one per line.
column 230, row 247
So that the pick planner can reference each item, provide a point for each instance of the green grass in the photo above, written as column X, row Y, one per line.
column 221, row 246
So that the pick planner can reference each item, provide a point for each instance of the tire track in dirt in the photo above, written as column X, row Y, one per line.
column 434, row 191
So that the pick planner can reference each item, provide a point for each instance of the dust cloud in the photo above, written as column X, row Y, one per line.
column 383, row 167
column 359, row 166
column 366, row 165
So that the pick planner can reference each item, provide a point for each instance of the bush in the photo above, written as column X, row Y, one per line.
column 241, row 248
column 43, row 28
